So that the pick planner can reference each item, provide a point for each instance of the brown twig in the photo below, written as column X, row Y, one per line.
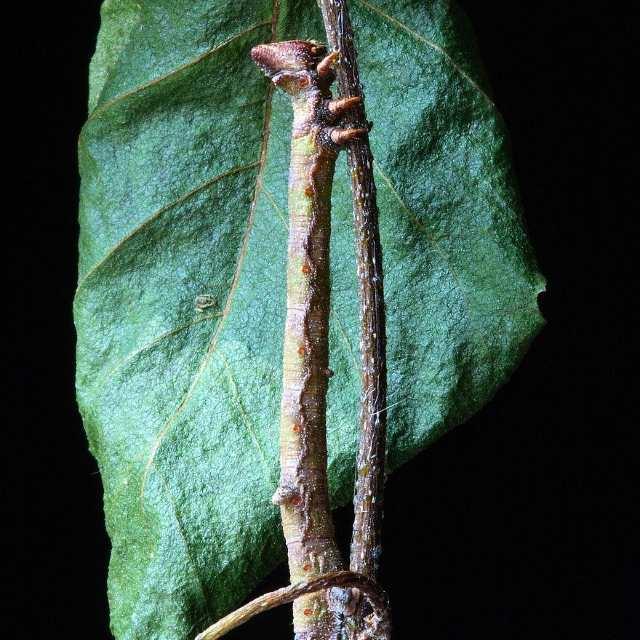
column 369, row 487
column 343, row 579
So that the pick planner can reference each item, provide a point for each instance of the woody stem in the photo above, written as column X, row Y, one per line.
column 370, row 463
column 274, row 599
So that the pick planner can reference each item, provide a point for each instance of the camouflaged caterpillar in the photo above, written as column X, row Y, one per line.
column 304, row 70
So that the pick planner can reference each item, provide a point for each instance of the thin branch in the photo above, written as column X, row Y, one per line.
column 369, row 487
column 343, row 579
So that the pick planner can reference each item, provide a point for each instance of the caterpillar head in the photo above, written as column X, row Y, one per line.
column 294, row 65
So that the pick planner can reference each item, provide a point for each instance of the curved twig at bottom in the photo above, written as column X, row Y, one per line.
column 345, row 579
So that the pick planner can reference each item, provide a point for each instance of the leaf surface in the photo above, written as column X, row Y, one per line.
column 181, row 297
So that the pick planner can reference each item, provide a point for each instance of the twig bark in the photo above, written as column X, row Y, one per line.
column 305, row 72
column 344, row 579
column 369, row 488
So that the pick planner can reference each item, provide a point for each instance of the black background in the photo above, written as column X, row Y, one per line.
column 513, row 525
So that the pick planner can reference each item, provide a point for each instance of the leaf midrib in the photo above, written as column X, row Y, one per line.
column 236, row 277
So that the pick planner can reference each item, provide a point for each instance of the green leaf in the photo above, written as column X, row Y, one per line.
column 181, row 294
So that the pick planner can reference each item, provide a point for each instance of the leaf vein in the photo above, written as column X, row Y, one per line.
column 232, row 289
column 245, row 418
column 346, row 340
column 156, row 214
column 420, row 38
column 425, row 229
column 191, row 63
column 187, row 548
column 149, row 345
column 275, row 207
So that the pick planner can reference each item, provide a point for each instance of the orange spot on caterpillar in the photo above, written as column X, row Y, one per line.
column 301, row 350
column 308, row 191
column 295, row 500
column 306, row 567
column 296, row 428
column 306, row 269
column 308, row 612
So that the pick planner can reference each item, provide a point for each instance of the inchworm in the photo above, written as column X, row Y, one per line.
column 305, row 71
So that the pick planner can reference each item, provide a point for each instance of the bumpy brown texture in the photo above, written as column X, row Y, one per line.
column 366, row 543
column 268, row 601
column 304, row 71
